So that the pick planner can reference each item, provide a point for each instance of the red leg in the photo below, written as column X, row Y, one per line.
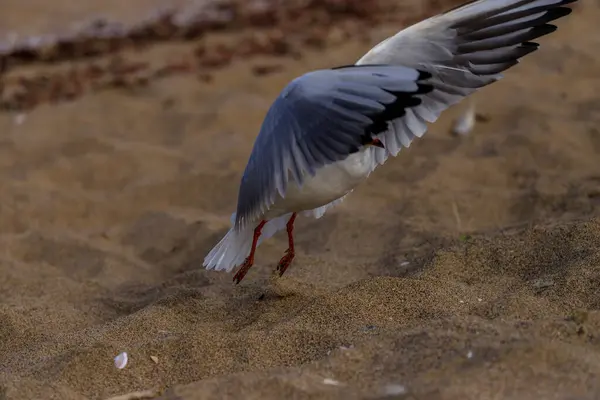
column 237, row 278
column 286, row 260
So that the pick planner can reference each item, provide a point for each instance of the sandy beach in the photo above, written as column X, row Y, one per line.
column 465, row 268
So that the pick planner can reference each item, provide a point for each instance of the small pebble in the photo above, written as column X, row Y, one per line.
column 470, row 354
column 543, row 283
column 369, row 328
column 333, row 382
column 394, row 390
column 155, row 359
column 121, row 360
column 19, row 119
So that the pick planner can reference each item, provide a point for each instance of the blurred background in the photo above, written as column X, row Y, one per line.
column 466, row 267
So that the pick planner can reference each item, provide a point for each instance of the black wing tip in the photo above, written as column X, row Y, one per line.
column 412, row 102
column 527, row 48
column 539, row 31
column 423, row 75
column 558, row 12
column 532, row 45
column 424, row 88
column 544, row 29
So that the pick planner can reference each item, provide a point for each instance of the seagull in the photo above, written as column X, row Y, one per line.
column 329, row 129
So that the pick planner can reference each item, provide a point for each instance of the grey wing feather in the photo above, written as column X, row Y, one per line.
column 319, row 118
column 465, row 49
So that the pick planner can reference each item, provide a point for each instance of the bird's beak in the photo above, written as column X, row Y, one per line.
column 377, row 143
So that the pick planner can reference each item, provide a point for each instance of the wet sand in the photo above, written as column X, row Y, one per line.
column 465, row 268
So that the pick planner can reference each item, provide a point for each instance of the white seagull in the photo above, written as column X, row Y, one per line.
column 329, row 129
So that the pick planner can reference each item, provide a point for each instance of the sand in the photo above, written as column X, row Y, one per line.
column 465, row 268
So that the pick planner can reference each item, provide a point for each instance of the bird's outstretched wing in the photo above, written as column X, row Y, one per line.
column 319, row 118
column 465, row 49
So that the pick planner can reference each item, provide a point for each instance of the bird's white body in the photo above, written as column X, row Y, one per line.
column 326, row 188
column 330, row 183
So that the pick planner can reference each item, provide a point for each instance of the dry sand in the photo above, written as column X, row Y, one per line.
column 465, row 268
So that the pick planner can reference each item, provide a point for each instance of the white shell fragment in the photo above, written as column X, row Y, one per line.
column 121, row 360
column 19, row 119
column 333, row 382
column 394, row 390
column 465, row 123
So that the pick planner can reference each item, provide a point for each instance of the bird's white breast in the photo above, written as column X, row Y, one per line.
column 329, row 183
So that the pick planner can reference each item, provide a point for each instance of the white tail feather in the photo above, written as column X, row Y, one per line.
column 235, row 246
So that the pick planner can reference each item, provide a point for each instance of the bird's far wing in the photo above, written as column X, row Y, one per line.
column 319, row 118
column 465, row 49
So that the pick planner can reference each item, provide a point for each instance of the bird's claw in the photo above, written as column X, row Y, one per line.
column 285, row 261
column 237, row 278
